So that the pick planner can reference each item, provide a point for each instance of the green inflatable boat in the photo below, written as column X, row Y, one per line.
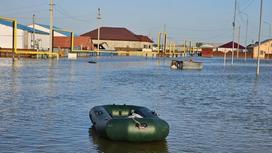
column 128, row 123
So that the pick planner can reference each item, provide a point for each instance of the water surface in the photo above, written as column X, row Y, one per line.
column 44, row 104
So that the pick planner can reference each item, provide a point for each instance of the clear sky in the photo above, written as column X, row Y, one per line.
column 194, row 20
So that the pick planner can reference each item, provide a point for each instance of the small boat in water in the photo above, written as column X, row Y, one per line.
column 128, row 123
column 92, row 62
column 186, row 65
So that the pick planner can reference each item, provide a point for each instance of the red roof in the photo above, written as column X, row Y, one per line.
column 229, row 45
column 144, row 38
column 65, row 42
column 114, row 33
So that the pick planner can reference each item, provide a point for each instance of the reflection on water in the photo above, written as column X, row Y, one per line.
column 44, row 104
column 107, row 146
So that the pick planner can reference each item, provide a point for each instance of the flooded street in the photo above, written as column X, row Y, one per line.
column 44, row 104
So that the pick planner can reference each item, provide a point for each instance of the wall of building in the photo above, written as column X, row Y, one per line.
column 229, row 49
column 147, row 45
column 265, row 50
column 112, row 44
column 235, row 53
column 42, row 41
column 6, row 37
column 207, row 52
column 23, row 38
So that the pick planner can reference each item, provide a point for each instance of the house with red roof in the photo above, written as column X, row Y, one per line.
column 227, row 47
column 118, row 38
column 219, row 49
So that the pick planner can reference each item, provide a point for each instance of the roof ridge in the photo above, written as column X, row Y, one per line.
column 115, row 33
column 22, row 27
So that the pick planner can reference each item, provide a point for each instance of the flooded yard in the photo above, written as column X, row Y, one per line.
column 44, row 104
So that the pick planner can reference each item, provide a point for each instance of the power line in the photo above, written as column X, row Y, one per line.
column 15, row 12
column 23, row 7
column 248, row 5
column 62, row 11
column 199, row 30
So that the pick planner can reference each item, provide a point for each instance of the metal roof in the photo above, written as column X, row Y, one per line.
column 143, row 38
column 116, row 33
column 22, row 27
column 57, row 29
column 229, row 45
column 262, row 42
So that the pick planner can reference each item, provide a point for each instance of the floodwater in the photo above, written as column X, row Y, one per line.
column 44, row 104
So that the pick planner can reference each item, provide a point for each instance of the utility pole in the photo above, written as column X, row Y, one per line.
column 233, row 34
column 246, row 36
column 238, row 50
column 33, row 34
column 259, row 39
column 98, row 24
column 159, row 42
column 225, row 56
column 246, row 26
column 190, row 48
column 165, row 37
column 14, row 40
column 51, row 26
column 165, row 42
column 269, row 37
column 185, row 48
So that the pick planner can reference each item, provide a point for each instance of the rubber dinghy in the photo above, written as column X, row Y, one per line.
column 128, row 123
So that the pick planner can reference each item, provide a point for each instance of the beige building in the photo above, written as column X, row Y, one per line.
column 265, row 49
column 112, row 38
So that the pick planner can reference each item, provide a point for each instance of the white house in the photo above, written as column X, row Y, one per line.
column 24, row 36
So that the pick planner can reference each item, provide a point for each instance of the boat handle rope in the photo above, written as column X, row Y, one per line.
column 140, row 126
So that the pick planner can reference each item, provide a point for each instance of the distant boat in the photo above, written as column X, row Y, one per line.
column 92, row 62
column 186, row 65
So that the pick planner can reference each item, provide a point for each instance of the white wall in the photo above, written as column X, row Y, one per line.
column 6, row 37
column 41, row 39
column 224, row 49
column 23, row 38
column 131, row 44
column 229, row 49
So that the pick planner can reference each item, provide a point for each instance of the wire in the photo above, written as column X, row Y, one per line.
column 203, row 30
column 248, row 5
column 16, row 12
column 23, row 8
column 61, row 11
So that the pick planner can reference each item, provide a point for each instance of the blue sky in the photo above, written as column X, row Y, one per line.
column 192, row 20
